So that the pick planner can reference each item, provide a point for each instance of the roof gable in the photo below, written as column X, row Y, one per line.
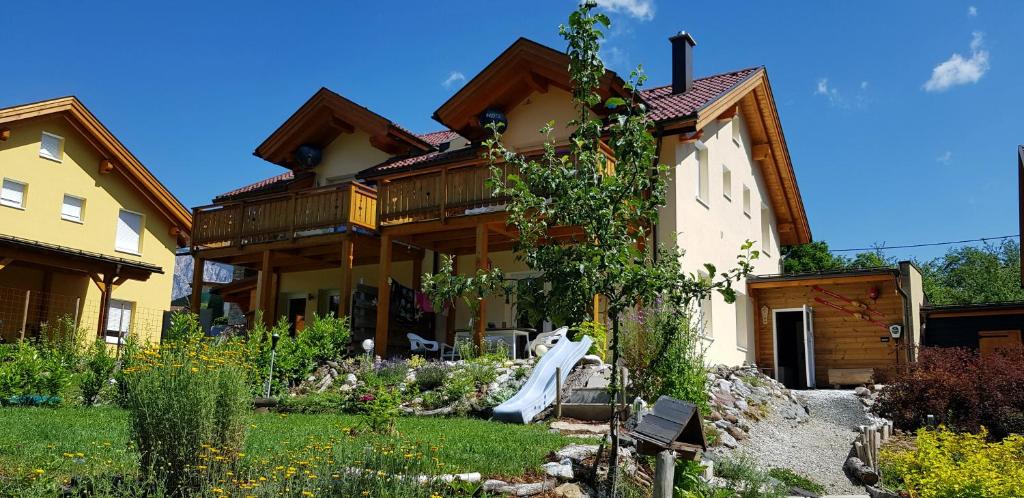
column 324, row 117
column 116, row 157
column 523, row 68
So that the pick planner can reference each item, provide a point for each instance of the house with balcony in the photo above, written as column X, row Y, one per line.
column 87, row 232
column 365, row 205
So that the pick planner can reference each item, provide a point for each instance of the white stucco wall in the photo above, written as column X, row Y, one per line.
column 713, row 232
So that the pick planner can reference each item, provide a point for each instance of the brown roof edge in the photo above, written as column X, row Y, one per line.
column 795, row 279
column 35, row 245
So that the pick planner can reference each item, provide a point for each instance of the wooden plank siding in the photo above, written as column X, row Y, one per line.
column 841, row 340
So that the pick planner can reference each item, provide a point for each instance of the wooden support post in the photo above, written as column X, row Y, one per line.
column 449, row 324
column 24, row 314
column 106, row 287
column 558, row 392
column 345, row 292
column 664, row 474
column 383, row 296
column 196, row 300
column 417, row 271
column 265, row 290
column 481, row 264
column 78, row 307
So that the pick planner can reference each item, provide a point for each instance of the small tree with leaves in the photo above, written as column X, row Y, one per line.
column 446, row 286
column 612, row 208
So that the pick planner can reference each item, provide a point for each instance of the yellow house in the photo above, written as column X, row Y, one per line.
column 86, row 230
column 367, row 206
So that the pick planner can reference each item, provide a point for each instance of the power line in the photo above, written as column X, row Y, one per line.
column 929, row 244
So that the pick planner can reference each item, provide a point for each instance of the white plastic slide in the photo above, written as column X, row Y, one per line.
column 539, row 390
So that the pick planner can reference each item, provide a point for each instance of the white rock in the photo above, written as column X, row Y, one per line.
column 591, row 359
column 561, row 470
column 577, row 452
column 727, row 440
column 351, row 379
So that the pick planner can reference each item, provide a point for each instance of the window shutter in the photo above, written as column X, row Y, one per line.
column 129, row 231
column 50, row 147
column 71, row 209
column 12, row 193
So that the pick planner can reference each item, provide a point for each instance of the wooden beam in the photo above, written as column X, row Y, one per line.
column 482, row 234
column 837, row 280
column 106, row 166
column 5, row 261
column 265, row 290
column 196, row 299
column 760, row 152
column 5, row 134
column 383, row 296
column 728, row 114
column 345, row 292
column 105, row 290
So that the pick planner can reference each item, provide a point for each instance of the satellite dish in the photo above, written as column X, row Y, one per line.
column 307, row 156
column 494, row 116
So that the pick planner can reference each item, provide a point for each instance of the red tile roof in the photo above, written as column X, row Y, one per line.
column 436, row 138
column 260, row 185
column 665, row 106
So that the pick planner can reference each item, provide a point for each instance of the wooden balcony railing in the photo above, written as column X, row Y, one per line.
column 439, row 194
column 285, row 216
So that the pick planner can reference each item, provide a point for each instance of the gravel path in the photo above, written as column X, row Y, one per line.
column 816, row 448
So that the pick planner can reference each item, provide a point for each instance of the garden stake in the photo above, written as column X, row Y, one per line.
column 273, row 352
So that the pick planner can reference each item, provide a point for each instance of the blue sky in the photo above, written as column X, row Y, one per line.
column 902, row 117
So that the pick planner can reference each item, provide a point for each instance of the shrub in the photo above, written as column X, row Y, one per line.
column 386, row 374
column 745, row 480
column 662, row 349
column 950, row 464
column 27, row 370
column 795, row 480
column 98, row 369
column 598, row 333
column 325, row 402
column 380, row 408
column 62, row 340
column 326, row 337
column 185, row 399
column 962, row 391
column 431, row 376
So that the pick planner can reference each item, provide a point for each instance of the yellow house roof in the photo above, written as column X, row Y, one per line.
column 115, row 156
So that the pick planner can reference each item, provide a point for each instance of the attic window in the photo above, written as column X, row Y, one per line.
column 736, row 129
column 12, row 193
column 51, row 147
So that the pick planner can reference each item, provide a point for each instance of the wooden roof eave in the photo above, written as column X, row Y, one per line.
column 86, row 123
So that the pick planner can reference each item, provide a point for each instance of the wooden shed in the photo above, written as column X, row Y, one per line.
column 983, row 327
column 836, row 328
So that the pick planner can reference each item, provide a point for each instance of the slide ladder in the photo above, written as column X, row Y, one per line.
column 539, row 390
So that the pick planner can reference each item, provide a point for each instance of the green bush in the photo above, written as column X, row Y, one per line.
column 795, row 480
column 325, row 402
column 324, row 338
column 62, row 340
column 29, row 370
column 97, row 371
column 598, row 333
column 745, row 480
column 431, row 376
column 185, row 399
column 662, row 349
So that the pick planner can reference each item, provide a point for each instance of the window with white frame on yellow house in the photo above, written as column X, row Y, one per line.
column 129, row 232
column 119, row 320
column 72, row 208
column 51, row 147
column 13, row 193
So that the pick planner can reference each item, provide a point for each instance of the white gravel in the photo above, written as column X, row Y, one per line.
column 816, row 448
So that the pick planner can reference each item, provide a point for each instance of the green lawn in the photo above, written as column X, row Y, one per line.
column 58, row 440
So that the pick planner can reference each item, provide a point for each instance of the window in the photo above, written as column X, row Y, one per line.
column 742, row 323
column 51, row 147
column 119, row 320
column 726, row 183
column 706, row 324
column 766, row 230
column 129, row 232
column 12, row 194
column 71, row 209
column 702, row 173
column 746, row 201
column 736, row 135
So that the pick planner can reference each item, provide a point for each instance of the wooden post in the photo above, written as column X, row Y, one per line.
column 196, row 300
column 417, row 271
column 558, row 392
column 78, row 304
column 347, row 257
column 449, row 325
column 664, row 474
column 105, row 286
column 383, row 296
column 265, row 289
column 24, row 315
column 481, row 264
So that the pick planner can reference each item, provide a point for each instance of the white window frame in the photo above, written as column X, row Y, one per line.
column 726, row 183
column 742, row 322
column 142, row 230
column 766, row 230
column 746, row 200
column 706, row 310
column 24, row 194
column 81, row 210
column 120, row 306
column 703, row 193
column 735, row 125
column 60, row 144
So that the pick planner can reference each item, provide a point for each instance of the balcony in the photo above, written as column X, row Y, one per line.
column 286, row 216
column 439, row 194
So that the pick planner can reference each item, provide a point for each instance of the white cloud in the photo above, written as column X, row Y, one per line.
column 640, row 9
column 945, row 157
column 960, row 70
column 972, row 11
column 832, row 94
column 453, row 78
column 857, row 99
column 863, row 85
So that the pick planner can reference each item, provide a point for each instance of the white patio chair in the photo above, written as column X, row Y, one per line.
column 420, row 345
column 545, row 340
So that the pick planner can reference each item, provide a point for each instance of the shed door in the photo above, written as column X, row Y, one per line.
column 809, row 345
column 990, row 341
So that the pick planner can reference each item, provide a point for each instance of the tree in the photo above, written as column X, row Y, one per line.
column 967, row 275
column 817, row 257
column 611, row 207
